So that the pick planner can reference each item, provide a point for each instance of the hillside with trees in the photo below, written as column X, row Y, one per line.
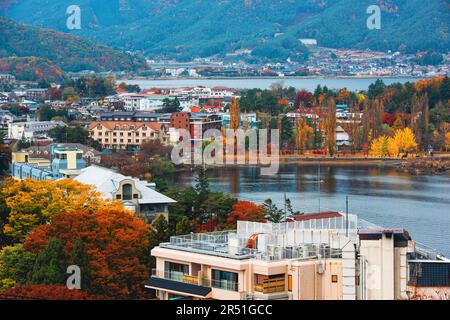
column 184, row 29
column 66, row 52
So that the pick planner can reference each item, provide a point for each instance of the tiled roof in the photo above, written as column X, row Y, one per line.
column 111, row 125
column 311, row 216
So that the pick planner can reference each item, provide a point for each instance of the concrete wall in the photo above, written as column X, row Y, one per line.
column 379, row 255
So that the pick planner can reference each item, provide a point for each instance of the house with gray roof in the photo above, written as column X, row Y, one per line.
column 136, row 195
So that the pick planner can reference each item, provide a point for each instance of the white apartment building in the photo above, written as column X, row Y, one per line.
column 32, row 130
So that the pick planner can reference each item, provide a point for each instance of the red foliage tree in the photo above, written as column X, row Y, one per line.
column 116, row 243
column 246, row 211
column 303, row 98
column 43, row 292
column 150, row 149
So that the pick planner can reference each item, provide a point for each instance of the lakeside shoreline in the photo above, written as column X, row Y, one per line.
column 270, row 77
column 413, row 166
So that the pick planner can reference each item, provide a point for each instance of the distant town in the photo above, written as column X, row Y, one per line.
column 322, row 62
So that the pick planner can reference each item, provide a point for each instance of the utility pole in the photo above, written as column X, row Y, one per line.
column 285, row 207
column 318, row 182
column 346, row 216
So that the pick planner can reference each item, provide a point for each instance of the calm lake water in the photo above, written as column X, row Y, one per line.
column 381, row 195
column 308, row 83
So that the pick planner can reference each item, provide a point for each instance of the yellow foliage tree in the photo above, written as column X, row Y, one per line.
column 405, row 140
column 31, row 203
column 392, row 148
column 447, row 141
column 303, row 134
column 379, row 147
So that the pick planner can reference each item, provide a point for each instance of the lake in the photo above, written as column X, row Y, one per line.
column 310, row 84
column 381, row 195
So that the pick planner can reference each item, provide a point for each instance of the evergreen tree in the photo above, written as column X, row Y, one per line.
column 159, row 232
column 50, row 266
column 80, row 258
column 183, row 226
column 201, row 186
column 273, row 214
column 5, row 155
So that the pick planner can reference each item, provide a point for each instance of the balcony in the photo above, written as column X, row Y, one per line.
column 178, row 276
column 178, row 283
column 270, row 286
column 225, row 285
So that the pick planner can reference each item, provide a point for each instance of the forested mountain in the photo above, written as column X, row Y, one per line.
column 67, row 52
column 190, row 28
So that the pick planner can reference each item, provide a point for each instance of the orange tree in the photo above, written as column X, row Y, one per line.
column 116, row 244
column 43, row 292
column 245, row 211
column 30, row 203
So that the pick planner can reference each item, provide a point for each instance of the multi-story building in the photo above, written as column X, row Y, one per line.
column 64, row 163
column 9, row 78
column 136, row 195
column 32, row 130
column 195, row 123
column 124, row 134
column 6, row 118
column 136, row 116
column 326, row 256
column 90, row 155
column 36, row 94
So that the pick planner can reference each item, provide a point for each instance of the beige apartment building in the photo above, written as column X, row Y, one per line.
column 313, row 257
column 123, row 134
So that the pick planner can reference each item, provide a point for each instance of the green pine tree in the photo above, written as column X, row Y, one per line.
column 183, row 226
column 50, row 266
column 80, row 258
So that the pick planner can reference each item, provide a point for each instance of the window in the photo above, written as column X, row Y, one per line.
column 224, row 280
column 334, row 278
column 118, row 196
column 127, row 191
column 175, row 271
column 270, row 284
column 290, row 283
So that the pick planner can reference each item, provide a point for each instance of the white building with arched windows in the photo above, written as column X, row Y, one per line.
column 136, row 195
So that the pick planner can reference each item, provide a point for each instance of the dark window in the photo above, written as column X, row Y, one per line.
column 224, row 280
column 118, row 196
column 127, row 191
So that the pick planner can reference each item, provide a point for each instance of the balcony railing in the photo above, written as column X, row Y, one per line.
column 269, row 286
column 225, row 285
column 176, row 276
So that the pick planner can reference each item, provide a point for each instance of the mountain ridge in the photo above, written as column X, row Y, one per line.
column 184, row 29
column 66, row 51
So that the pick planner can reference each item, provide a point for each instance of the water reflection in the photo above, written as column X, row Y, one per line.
column 382, row 195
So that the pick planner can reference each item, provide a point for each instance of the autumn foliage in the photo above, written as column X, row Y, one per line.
column 246, row 211
column 31, row 203
column 116, row 244
column 43, row 292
